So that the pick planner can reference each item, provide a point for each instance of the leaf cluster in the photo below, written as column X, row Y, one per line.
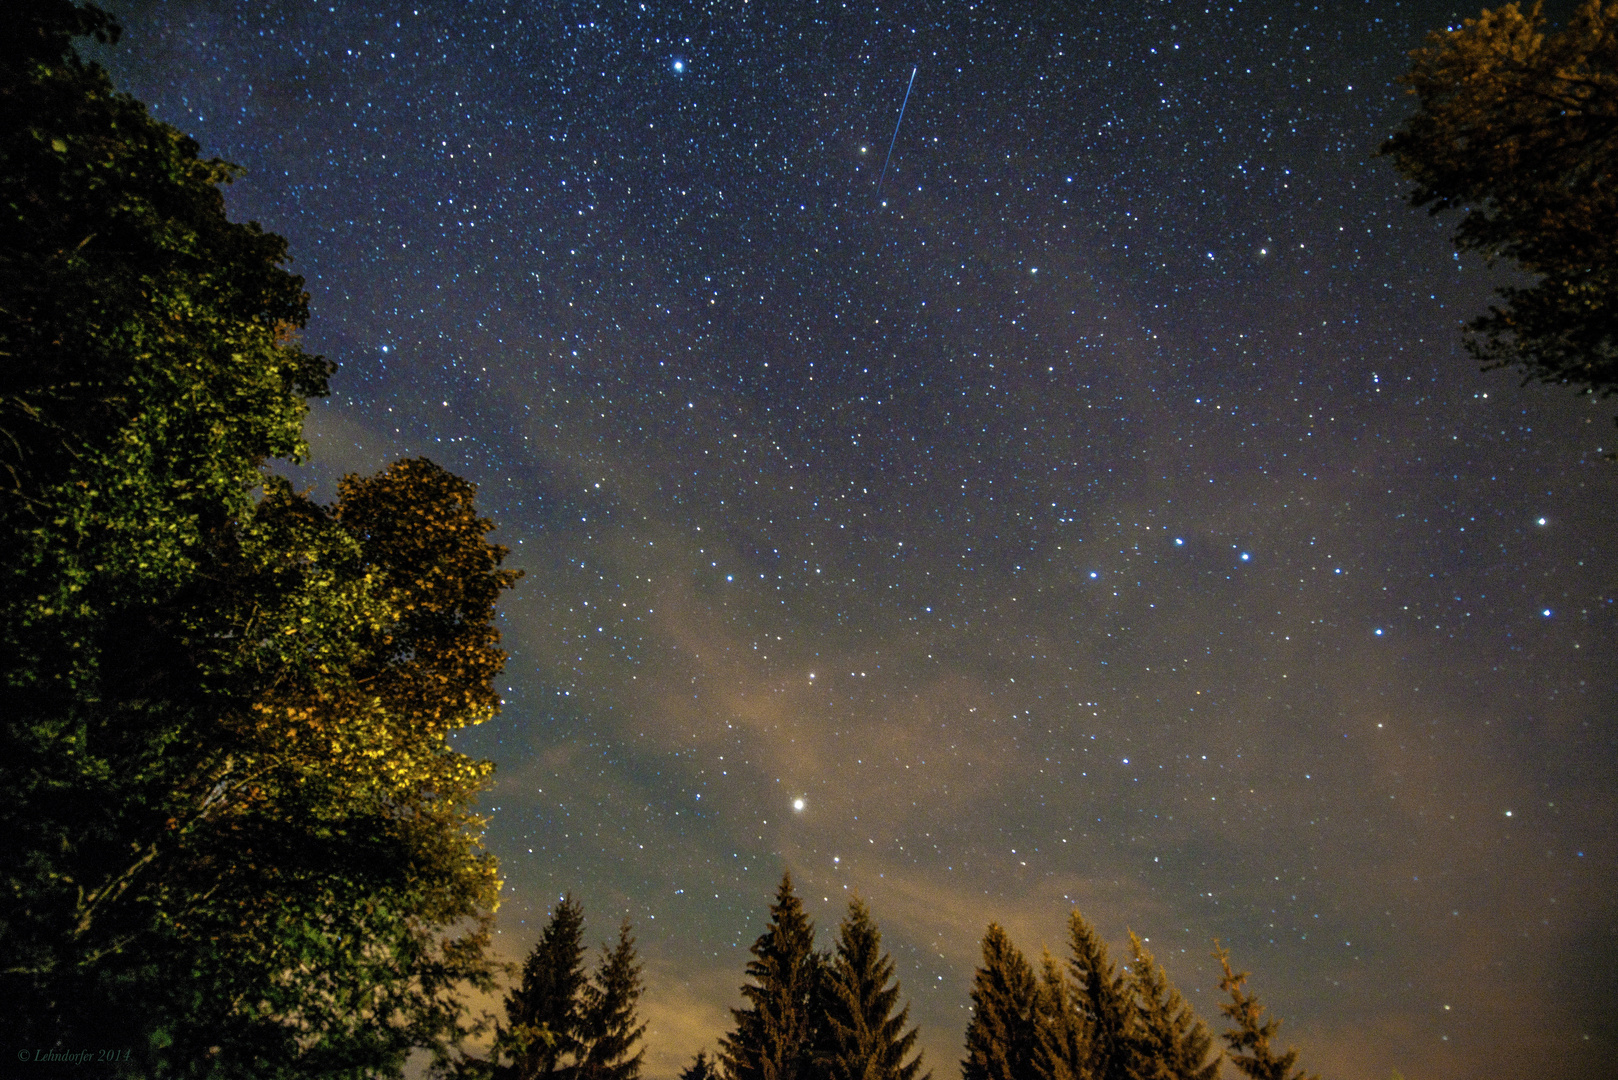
column 242, row 843
column 1517, row 129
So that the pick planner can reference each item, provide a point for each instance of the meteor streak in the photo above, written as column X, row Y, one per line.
column 895, row 138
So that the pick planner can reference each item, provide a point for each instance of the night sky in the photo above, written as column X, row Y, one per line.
column 1103, row 513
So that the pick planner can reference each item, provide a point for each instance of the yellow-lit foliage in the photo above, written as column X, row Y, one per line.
column 1516, row 130
column 368, row 627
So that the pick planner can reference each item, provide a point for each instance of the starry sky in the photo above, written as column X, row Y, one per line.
column 1104, row 512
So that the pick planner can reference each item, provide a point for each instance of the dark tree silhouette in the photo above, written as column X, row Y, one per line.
column 612, row 1027
column 774, row 1037
column 1002, row 1036
column 1105, row 999
column 1249, row 1037
column 1170, row 1042
column 544, row 1015
column 1517, row 128
column 863, row 1034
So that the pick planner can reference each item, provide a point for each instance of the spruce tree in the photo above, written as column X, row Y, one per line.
column 1001, row 1037
column 1063, row 1035
column 610, row 1025
column 701, row 1068
column 1105, row 1001
column 1249, row 1040
column 544, row 1015
column 774, row 1035
column 1170, row 1043
column 861, row 1037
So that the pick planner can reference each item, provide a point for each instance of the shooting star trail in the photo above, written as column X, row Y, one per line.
column 895, row 138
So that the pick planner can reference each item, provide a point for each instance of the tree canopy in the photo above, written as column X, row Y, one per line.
column 242, row 842
column 1091, row 1021
column 1517, row 128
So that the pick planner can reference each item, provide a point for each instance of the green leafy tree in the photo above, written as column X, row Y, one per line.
column 1002, row 1037
column 1170, row 1043
column 612, row 1027
column 282, row 908
column 1518, row 129
column 241, row 839
column 774, row 1037
column 862, row 1036
column 1250, row 1036
column 1105, row 998
column 335, row 846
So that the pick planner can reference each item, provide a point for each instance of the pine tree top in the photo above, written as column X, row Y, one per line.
column 1169, row 1042
column 1249, row 1039
column 773, row 1037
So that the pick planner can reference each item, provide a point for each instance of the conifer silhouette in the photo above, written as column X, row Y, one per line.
column 1105, row 1000
column 1170, row 1042
column 543, row 1015
column 1002, row 1036
column 611, row 1027
column 1249, row 1040
column 774, row 1038
column 862, row 1038
column 701, row 1068
column 1063, row 1035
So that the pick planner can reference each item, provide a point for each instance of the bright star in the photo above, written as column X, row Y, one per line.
column 679, row 67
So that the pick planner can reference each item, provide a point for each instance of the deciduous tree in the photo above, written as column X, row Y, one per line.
column 1517, row 128
column 242, row 842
